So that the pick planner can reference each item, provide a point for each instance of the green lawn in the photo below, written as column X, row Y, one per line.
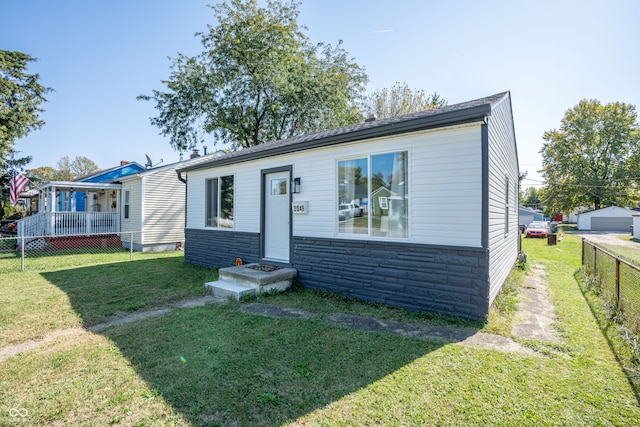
column 35, row 303
column 215, row 365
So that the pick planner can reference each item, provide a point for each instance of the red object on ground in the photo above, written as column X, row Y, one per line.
column 535, row 230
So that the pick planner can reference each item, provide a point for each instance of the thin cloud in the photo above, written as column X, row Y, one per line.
column 381, row 31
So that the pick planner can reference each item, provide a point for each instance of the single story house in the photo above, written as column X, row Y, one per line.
column 445, row 243
column 88, row 204
column 613, row 218
column 527, row 215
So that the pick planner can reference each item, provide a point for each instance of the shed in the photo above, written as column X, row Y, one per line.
column 446, row 242
column 613, row 218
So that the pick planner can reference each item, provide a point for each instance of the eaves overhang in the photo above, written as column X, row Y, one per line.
column 353, row 133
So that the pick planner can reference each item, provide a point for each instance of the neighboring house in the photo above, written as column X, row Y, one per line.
column 527, row 215
column 613, row 218
column 452, row 174
column 89, row 204
column 380, row 201
column 153, row 203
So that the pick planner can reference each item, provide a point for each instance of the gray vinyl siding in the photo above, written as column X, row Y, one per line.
column 502, row 162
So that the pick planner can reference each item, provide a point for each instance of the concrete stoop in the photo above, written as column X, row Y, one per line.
column 235, row 282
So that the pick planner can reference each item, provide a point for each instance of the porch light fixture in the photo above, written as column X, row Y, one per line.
column 295, row 185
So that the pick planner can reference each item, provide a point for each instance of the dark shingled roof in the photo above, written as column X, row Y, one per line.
column 465, row 112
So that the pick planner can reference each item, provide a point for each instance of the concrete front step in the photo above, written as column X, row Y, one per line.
column 227, row 289
column 235, row 282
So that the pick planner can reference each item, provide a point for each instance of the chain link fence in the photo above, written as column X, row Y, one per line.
column 47, row 252
column 617, row 281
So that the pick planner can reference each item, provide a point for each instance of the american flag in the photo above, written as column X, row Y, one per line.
column 16, row 185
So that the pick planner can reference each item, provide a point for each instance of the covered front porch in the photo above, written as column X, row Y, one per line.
column 66, row 208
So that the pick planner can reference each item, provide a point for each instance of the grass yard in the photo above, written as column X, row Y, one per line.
column 35, row 303
column 215, row 365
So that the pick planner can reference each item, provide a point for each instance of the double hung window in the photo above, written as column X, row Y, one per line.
column 127, row 203
column 506, row 205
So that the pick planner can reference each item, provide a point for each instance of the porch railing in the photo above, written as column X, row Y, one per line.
column 64, row 223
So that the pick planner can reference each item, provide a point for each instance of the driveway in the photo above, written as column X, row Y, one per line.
column 609, row 238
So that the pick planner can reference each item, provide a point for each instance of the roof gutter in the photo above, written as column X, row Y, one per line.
column 179, row 172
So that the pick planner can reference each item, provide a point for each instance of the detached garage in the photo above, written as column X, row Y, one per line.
column 612, row 218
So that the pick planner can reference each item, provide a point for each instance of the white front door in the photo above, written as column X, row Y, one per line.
column 276, row 216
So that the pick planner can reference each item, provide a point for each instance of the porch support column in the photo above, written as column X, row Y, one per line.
column 118, row 214
column 52, row 208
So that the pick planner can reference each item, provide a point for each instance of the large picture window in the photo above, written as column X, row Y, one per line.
column 373, row 195
column 219, row 202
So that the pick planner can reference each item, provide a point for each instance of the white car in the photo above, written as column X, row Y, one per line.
column 347, row 210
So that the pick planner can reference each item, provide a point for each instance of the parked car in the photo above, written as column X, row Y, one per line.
column 346, row 211
column 349, row 210
column 538, row 229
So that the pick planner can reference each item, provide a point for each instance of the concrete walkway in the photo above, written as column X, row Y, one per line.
column 535, row 316
column 533, row 320
column 12, row 350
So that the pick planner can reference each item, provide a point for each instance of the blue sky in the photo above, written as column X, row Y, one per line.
column 98, row 56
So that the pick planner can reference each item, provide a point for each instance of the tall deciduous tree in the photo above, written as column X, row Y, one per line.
column 21, row 95
column 589, row 160
column 258, row 79
column 43, row 174
column 401, row 99
column 530, row 198
column 82, row 166
column 69, row 169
